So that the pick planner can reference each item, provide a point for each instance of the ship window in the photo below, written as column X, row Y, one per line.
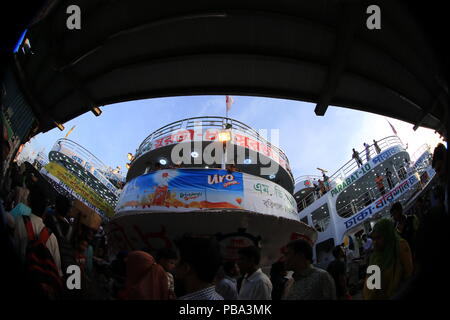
column 321, row 218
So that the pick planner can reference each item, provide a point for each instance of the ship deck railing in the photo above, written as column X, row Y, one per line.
column 362, row 200
column 420, row 151
column 350, row 166
column 88, row 157
column 207, row 122
column 308, row 177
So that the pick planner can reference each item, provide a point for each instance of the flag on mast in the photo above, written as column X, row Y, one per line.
column 229, row 101
column 392, row 127
column 70, row 131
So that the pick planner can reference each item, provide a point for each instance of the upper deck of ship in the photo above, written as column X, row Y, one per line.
column 351, row 182
column 247, row 148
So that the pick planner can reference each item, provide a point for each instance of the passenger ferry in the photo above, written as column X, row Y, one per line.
column 353, row 200
column 85, row 177
column 179, row 180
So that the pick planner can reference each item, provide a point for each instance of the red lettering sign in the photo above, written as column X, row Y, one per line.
column 168, row 140
column 252, row 144
column 158, row 143
column 240, row 140
column 183, row 135
column 211, row 134
column 265, row 150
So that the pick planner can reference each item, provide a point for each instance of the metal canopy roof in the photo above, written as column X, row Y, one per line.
column 319, row 51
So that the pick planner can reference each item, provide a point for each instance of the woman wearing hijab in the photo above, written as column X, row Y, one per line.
column 393, row 255
column 146, row 280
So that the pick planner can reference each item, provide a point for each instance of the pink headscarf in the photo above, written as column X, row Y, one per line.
column 146, row 280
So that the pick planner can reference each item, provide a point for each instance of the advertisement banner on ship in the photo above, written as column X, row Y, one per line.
column 188, row 189
column 383, row 202
column 59, row 147
column 264, row 196
column 79, row 187
column 200, row 189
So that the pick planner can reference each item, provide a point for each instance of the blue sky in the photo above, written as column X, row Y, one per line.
column 309, row 141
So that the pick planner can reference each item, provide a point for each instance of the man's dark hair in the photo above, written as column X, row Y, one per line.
column 303, row 247
column 397, row 207
column 37, row 202
column 336, row 251
column 62, row 205
column 203, row 254
column 252, row 253
column 277, row 269
column 166, row 253
column 228, row 266
column 439, row 153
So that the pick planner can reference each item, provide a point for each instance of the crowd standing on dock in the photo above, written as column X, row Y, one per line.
column 40, row 241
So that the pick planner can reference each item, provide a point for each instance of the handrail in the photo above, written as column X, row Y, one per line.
column 88, row 157
column 351, row 165
column 307, row 177
column 208, row 122
column 418, row 153
column 358, row 203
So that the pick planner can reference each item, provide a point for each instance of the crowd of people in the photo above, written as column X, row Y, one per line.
column 41, row 241
column 356, row 156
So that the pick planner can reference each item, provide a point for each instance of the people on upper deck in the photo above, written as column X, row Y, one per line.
column 322, row 188
column 357, row 158
column 326, row 182
column 316, row 189
column 379, row 182
column 377, row 148
column 367, row 147
column 389, row 178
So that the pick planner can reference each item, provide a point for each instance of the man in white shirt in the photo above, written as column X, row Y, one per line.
column 256, row 285
column 37, row 202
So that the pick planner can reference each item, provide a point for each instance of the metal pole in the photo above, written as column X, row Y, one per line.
column 224, row 154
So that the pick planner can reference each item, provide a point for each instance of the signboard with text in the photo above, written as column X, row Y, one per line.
column 205, row 189
column 211, row 134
